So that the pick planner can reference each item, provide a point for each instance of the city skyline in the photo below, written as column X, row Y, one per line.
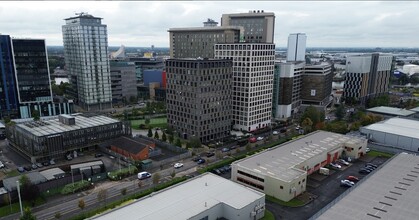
column 326, row 24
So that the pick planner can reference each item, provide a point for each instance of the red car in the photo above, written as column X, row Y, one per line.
column 252, row 140
column 353, row 178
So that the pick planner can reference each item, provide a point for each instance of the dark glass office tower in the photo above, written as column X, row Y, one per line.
column 8, row 92
column 31, row 64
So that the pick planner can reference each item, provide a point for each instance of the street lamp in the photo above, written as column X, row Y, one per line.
column 20, row 199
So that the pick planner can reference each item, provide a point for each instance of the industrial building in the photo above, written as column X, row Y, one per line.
column 399, row 133
column 207, row 196
column 389, row 112
column 282, row 171
column 56, row 137
column 390, row 193
column 137, row 149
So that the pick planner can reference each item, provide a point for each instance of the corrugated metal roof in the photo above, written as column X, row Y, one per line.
column 51, row 173
column 398, row 126
column 187, row 199
column 391, row 111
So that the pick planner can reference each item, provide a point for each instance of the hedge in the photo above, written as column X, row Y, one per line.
column 76, row 187
column 125, row 172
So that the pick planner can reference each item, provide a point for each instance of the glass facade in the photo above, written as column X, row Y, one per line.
column 8, row 91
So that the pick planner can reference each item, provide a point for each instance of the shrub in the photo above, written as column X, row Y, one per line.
column 125, row 172
column 76, row 187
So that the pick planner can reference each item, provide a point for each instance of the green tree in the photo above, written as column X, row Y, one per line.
column 147, row 121
column 340, row 112
column 313, row 114
column 27, row 214
column 156, row 135
column 195, row 142
column 125, row 114
column 81, row 204
column 307, row 125
column 173, row 174
column 163, row 137
column 29, row 191
column 171, row 139
column 35, row 115
column 134, row 111
column 57, row 215
column 178, row 142
column 102, row 195
column 123, row 191
column 156, row 178
column 150, row 133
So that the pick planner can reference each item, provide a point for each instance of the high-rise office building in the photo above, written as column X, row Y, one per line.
column 259, row 26
column 199, row 41
column 123, row 81
column 367, row 76
column 9, row 103
column 296, row 47
column 86, row 56
column 199, row 97
column 253, row 74
column 317, row 86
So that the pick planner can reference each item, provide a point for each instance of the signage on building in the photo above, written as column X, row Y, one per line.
column 313, row 92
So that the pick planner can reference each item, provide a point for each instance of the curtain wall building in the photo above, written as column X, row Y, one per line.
column 199, row 97
column 8, row 89
column 86, row 56
column 296, row 50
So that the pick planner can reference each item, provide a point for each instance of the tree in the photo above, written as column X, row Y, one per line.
column 134, row 111
column 156, row 135
column 147, row 121
column 173, row 174
column 123, row 191
column 102, row 195
column 27, row 214
column 29, row 191
column 340, row 112
column 307, row 124
column 125, row 114
column 156, row 178
column 195, row 142
column 171, row 139
column 178, row 142
column 150, row 133
column 163, row 137
column 133, row 99
column 35, row 115
column 314, row 115
column 57, row 215
column 82, row 204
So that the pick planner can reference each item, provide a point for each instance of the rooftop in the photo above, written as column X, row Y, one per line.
column 52, row 125
column 187, row 199
column 390, row 193
column 414, row 109
column 35, row 177
column 280, row 162
column 398, row 126
column 53, row 173
column 208, row 28
column 391, row 111
column 130, row 145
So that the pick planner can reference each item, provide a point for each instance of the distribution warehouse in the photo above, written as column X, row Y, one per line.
column 282, row 171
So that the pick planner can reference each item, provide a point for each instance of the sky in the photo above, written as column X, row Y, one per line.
column 145, row 23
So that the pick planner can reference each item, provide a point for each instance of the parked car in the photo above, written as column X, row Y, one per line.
column 52, row 162
column 69, row 157
column 178, row 165
column 216, row 171
column 352, row 178
column 347, row 183
column 260, row 138
column 344, row 162
column 39, row 165
column 371, row 164
column 335, row 165
column 226, row 149
column 143, row 175
column 298, row 128
column 324, row 171
column 27, row 168
column 201, row 161
column 364, row 171
column 234, row 147
column 367, row 149
column 252, row 140
column 98, row 155
column 1, row 165
column 275, row 132
column 283, row 130
column 369, row 168
column 21, row 169
column 210, row 154
column 227, row 168
column 196, row 159
column 34, row 166
column 45, row 163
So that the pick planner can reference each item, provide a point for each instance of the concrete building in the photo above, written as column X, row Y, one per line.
column 199, row 41
column 210, row 23
column 367, row 76
column 86, row 56
column 146, row 63
column 152, row 76
column 199, row 97
column 123, row 81
column 317, row 86
column 55, row 137
column 288, row 91
column 259, row 26
column 253, row 74
column 282, row 171
column 398, row 133
column 206, row 196
column 389, row 112
column 296, row 47
column 391, row 192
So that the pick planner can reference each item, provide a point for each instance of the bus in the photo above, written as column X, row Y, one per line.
column 2, row 131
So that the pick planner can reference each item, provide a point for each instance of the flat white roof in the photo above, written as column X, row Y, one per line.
column 392, row 192
column 414, row 109
column 398, row 126
column 280, row 162
column 54, row 126
column 187, row 199
column 391, row 111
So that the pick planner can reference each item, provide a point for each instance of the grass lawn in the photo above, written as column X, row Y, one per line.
column 12, row 173
column 5, row 210
column 292, row 203
column 268, row 215
column 154, row 122
column 375, row 153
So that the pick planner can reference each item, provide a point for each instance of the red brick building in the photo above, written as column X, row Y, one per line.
column 130, row 148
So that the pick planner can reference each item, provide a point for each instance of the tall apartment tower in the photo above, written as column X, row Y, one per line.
column 199, row 97
column 258, row 25
column 296, row 47
column 199, row 41
column 9, row 103
column 253, row 74
column 86, row 56
column 317, row 86
column 367, row 76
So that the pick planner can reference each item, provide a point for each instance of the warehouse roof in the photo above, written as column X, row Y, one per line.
column 53, row 126
column 398, row 126
column 280, row 162
column 187, row 199
column 391, row 111
column 35, row 178
column 53, row 173
column 414, row 109
column 390, row 193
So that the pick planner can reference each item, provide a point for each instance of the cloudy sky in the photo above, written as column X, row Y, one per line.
column 145, row 23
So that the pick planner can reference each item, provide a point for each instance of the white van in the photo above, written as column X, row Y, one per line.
column 143, row 175
column 324, row 171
